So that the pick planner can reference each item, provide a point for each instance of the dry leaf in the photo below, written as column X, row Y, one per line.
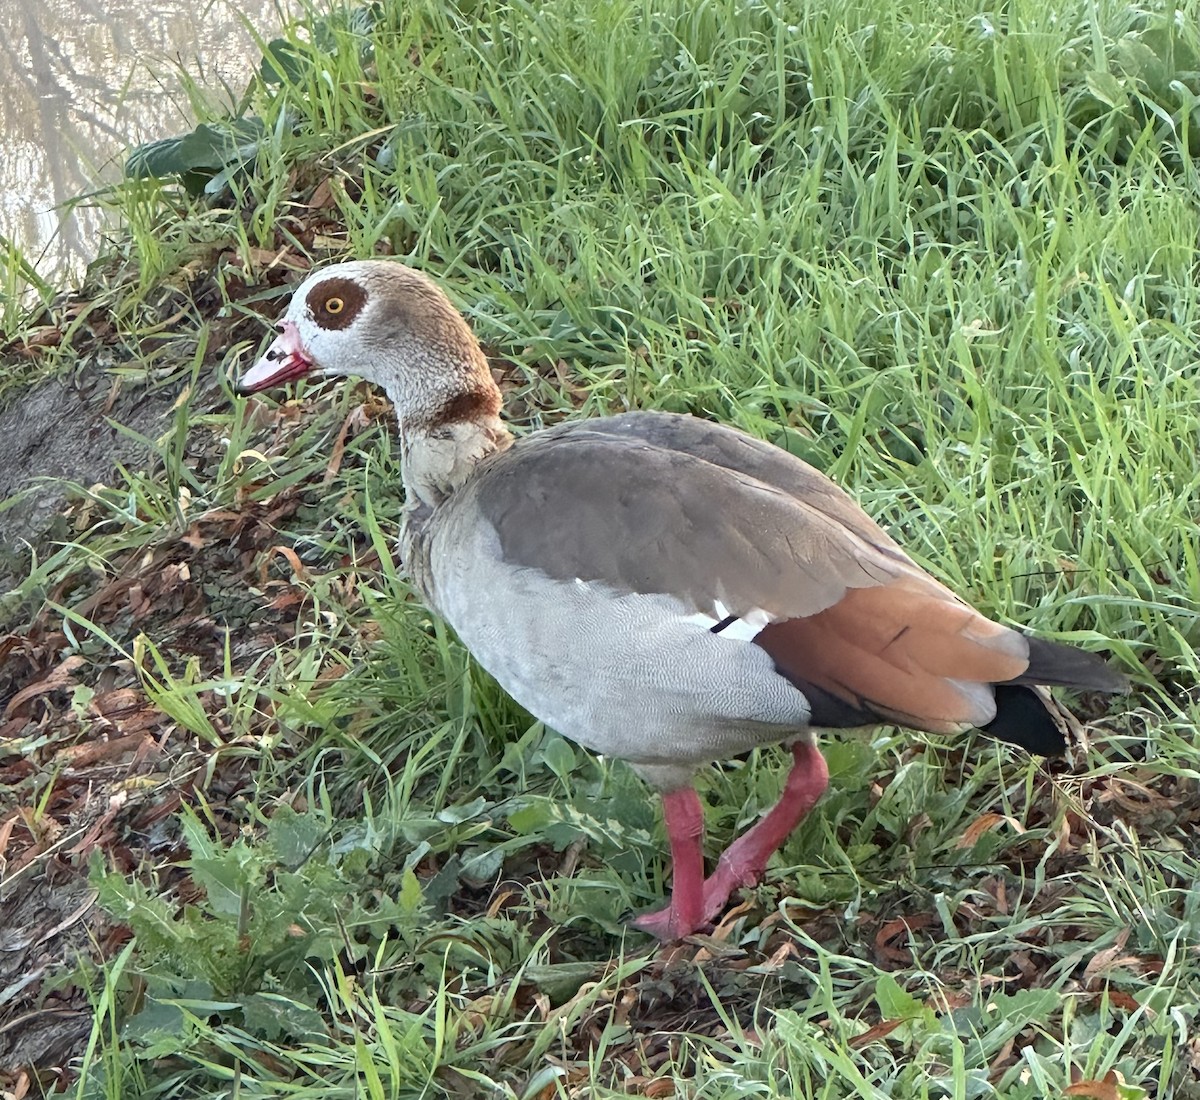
column 322, row 196
column 879, row 1031
column 899, row 928
column 985, row 823
column 6, row 830
column 1111, row 958
column 93, row 752
column 358, row 418
column 59, row 677
column 944, row 1001
column 501, row 899
column 1106, row 1089
column 46, row 336
column 293, row 559
column 1119, row 999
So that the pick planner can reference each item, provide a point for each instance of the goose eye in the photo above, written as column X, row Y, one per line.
column 334, row 305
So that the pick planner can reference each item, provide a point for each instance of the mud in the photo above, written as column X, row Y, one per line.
column 65, row 429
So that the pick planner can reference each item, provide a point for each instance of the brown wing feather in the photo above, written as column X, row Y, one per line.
column 906, row 652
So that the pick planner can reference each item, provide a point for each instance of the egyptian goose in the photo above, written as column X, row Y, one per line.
column 657, row 587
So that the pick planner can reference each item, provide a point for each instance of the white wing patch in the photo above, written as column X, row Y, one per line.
column 737, row 628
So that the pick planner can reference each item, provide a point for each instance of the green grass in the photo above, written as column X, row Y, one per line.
column 946, row 256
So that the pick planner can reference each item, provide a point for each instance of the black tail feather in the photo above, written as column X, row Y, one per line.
column 1055, row 665
column 1022, row 719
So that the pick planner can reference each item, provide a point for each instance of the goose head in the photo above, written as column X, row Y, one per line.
column 388, row 324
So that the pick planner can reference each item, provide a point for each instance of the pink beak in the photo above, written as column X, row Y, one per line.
column 284, row 360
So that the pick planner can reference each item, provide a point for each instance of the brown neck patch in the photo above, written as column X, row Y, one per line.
column 471, row 405
column 335, row 303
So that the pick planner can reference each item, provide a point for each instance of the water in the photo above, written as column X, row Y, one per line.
column 84, row 79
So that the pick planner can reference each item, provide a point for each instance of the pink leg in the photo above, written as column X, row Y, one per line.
column 745, row 859
column 685, row 828
column 695, row 901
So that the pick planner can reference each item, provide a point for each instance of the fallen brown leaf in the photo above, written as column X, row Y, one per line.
column 93, row 752
column 1106, row 1089
column 6, row 831
column 897, row 929
column 293, row 559
column 357, row 419
column 1111, row 958
column 879, row 1031
column 944, row 1001
column 58, row 678
column 8, row 643
column 983, row 824
column 998, row 888
column 93, row 836
column 19, row 1088
column 47, row 336
column 322, row 196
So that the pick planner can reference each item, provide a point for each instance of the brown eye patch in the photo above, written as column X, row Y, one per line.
column 334, row 303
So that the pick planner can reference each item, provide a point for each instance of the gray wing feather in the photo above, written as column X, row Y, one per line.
column 657, row 503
